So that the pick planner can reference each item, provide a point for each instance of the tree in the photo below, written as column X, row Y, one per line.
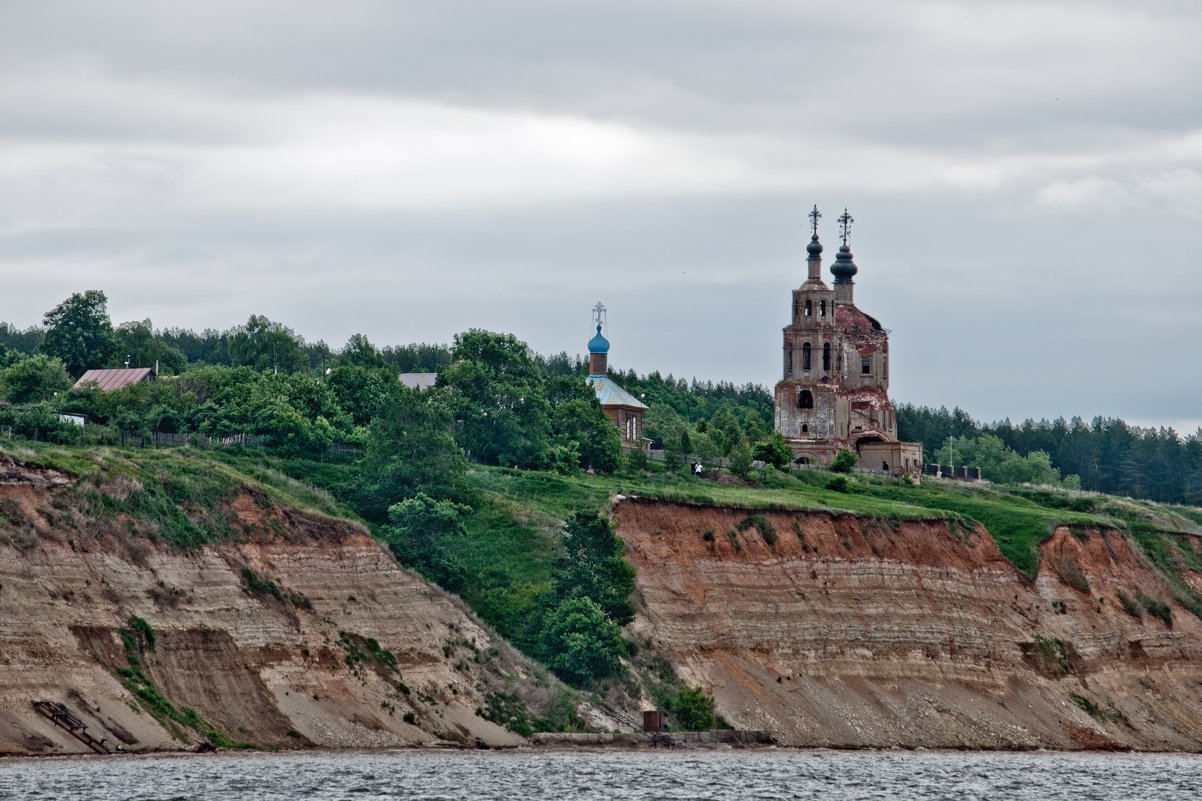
column 724, row 430
column 420, row 527
column 359, row 352
column 740, row 460
column 266, row 345
column 497, row 396
column 753, row 426
column 37, row 378
column 578, row 420
column 579, row 643
column 595, row 566
column 137, row 342
column 773, row 450
column 359, row 390
column 79, row 332
column 409, row 450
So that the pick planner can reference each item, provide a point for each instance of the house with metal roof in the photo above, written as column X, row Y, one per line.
column 108, row 380
column 622, row 408
column 418, row 380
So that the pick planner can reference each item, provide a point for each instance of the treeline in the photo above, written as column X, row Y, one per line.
column 1106, row 455
column 80, row 334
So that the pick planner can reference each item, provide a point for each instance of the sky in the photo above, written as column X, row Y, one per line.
column 1025, row 178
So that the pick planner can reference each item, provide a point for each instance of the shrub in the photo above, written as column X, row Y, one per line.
column 761, row 523
column 1130, row 605
column 740, row 460
column 1070, row 572
column 837, row 484
column 844, row 461
column 693, row 709
column 1156, row 608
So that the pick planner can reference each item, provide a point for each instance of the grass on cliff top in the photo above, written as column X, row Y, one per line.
column 180, row 495
column 1018, row 518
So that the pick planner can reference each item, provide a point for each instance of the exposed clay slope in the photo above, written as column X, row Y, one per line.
column 852, row 633
column 259, row 668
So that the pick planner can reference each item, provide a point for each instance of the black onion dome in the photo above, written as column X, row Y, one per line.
column 844, row 268
column 815, row 247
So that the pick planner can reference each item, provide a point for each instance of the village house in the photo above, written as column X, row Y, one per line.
column 108, row 380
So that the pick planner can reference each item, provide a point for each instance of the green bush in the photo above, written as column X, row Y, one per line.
column 844, row 462
column 693, row 709
column 579, row 643
column 773, row 450
column 740, row 460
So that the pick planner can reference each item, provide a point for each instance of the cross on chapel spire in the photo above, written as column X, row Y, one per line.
column 814, row 216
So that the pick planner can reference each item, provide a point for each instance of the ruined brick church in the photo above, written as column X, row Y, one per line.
column 834, row 393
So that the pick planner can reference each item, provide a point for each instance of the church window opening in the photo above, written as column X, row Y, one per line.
column 865, row 365
column 885, row 366
column 822, row 308
column 805, row 356
column 826, row 357
column 806, row 401
column 809, row 308
column 805, row 428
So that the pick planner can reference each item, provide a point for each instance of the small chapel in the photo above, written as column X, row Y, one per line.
column 622, row 408
column 834, row 392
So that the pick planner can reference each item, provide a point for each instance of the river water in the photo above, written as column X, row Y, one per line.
column 537, row 775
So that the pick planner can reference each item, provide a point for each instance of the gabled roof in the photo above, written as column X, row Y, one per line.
column 610, row 394
column 116, row 379
column 418, row 380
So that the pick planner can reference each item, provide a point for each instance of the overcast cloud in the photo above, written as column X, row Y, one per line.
column 1026, row 180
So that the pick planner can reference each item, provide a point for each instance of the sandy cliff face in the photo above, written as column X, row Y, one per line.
column 261, row 667
column 847, row 632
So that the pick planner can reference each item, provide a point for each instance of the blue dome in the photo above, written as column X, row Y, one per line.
column 598, row 344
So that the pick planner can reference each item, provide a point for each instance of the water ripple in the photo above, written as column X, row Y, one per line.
column 773, row 775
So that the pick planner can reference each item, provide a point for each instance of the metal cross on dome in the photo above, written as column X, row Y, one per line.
column 845, row 221
column 598, row 314
column 814, row 216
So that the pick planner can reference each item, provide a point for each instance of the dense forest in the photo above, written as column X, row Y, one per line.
column 1106, row 455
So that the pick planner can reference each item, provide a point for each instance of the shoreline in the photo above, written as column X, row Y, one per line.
column 602, row 742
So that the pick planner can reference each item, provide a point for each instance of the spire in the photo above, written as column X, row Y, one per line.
column 814, row 249
column 844, row 268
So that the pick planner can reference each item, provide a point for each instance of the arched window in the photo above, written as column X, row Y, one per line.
column 826, row 357
column 822, row 308
column 809, row 308
column 805, row 401
column 805, row 356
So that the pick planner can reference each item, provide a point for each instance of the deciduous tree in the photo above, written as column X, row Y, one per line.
column 79, row 332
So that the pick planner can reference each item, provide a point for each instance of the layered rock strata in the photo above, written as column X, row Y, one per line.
column 832, row 630
column 305, row 663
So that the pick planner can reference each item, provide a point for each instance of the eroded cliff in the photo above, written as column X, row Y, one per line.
column 833, row 630
column 296, row 629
